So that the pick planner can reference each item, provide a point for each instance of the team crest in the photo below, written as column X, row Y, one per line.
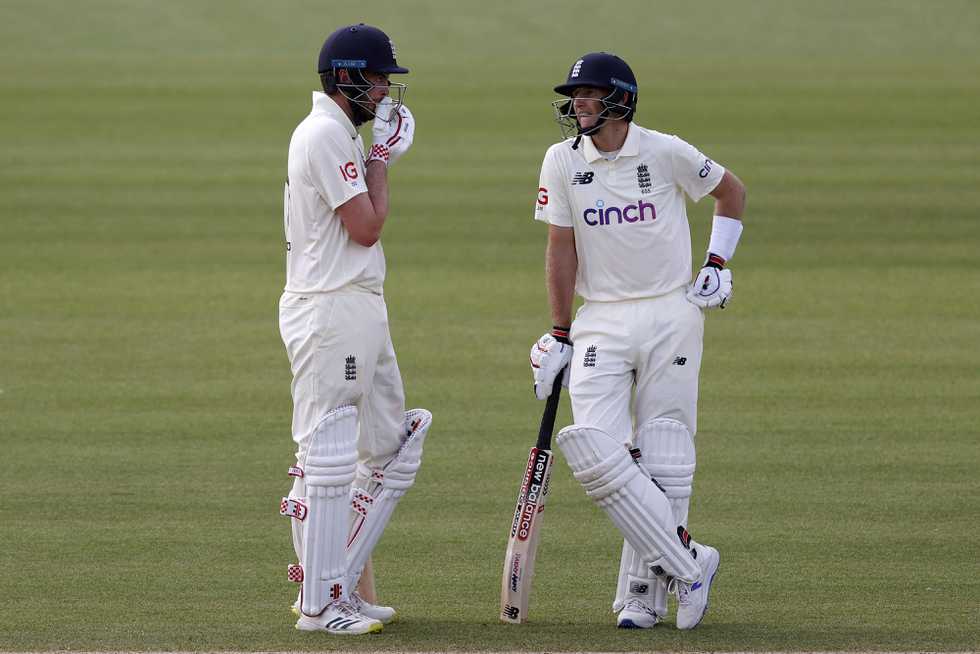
column 643, row 179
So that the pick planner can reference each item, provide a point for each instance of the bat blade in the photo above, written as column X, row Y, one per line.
column 522, row 546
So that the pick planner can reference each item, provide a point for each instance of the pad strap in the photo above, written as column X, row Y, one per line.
column 292, row 508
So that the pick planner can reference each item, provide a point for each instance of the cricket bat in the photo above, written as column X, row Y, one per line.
column 522, row 546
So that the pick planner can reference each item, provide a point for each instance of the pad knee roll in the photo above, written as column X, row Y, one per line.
column 636, row 505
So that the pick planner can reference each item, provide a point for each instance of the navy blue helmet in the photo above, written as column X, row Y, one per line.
column 600, row 70
column 347, row 55
column 361, row 47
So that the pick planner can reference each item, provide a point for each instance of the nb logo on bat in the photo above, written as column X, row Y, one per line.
column 511, row 612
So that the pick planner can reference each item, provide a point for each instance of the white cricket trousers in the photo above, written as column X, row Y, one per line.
column 340, row 353
column 651, row 345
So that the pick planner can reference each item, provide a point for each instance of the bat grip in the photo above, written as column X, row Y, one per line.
column 550, row 412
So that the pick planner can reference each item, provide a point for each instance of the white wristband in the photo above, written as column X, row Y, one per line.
column 724, row 236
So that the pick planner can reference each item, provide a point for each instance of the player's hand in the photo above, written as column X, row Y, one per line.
column 549, row 356
column 393, row 132
column 711, row 288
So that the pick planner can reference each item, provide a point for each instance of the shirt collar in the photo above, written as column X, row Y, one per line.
column 631, row 146
column 324, row 104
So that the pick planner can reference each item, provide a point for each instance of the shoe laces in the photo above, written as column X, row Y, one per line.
column 346, row 608
column 638, row 605
column 680, row 588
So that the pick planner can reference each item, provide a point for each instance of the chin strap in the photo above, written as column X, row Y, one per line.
column 588, row 132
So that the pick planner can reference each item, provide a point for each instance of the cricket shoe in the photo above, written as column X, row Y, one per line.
column 692, row 598
column 637, row 615
column 341, row 619
column 383, row 614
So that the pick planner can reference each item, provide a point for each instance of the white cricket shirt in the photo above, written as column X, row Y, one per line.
column 629, row 214
column 326, row 169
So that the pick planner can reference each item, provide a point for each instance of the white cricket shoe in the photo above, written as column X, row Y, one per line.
column 339, row 618
column 692, row 599
column 383, row 614
column 637, row 614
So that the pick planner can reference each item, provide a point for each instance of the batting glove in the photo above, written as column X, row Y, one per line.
column 393, row 132
column 713, row 285
column 549, row 356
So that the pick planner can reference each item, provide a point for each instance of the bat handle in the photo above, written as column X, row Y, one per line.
column 550, row 412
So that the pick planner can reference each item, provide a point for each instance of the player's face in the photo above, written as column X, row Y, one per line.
column 587, row 103
column 379, row 88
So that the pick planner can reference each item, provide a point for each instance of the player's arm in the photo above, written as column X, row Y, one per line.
column 561, row 265
column 364, row 214
column 712, row 287
column 553, row 351
column 729, row 196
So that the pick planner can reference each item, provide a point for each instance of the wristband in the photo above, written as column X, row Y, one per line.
column 724, row 237
column 714, row 261
column 561, row 334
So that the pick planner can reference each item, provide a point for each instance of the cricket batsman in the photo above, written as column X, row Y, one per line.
column 357, row 450
column 613, row 195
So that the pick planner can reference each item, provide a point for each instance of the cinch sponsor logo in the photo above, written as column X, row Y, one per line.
column 631, row 213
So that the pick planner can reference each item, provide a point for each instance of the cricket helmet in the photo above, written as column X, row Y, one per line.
column 359, row 49
column 600, row 70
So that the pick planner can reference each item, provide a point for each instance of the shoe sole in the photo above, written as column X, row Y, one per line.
column 707, row 594
column 393, row 619
column 629, row 624
column 373, row 629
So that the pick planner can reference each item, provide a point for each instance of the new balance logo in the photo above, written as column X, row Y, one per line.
column 582, row 178
column 638, row 588
column 590, row 357
column 350, row 369
column 511, row 612
column 680, row 361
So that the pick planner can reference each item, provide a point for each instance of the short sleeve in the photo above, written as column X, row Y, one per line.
column 551, row 205
column 693, row 171
column 335, row 165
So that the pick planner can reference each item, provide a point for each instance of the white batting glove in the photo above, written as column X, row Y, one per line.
column 549, row 356
column 393, row 132
column 713, row 285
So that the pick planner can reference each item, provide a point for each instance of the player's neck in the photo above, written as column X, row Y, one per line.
column 345, row 106
column 611, row 136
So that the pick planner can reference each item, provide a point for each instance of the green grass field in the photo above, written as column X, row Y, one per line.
column 144, row 391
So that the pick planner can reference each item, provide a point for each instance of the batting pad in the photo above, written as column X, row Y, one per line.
column 377, row 493
column 637, row 507
column 667, row 455
column 328, row 473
